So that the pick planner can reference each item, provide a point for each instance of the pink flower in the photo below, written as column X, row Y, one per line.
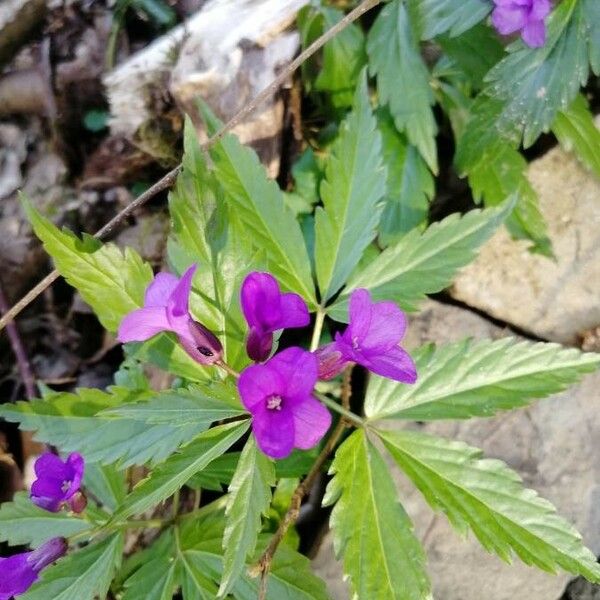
column 278, row 393
column 526, row 16
column 166, row 308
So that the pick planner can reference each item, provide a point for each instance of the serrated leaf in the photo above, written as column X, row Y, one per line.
column 259, row 204
column 423, row 263
column 533, row 84
column 107, row 484
column 409, row 184
column 172, row 474
column 112, row 282
column 577, row 132
column 436, row 17
column 487, row 497
column 195, row 585
column 203, row 232
column 22, row 522
column 179, row 408
column 248, row 499
column 84, row 574
column 372, row 533
column 403, row 78
column 73, row 423
column 155, row 580
column 478, row 379
column 353, row 187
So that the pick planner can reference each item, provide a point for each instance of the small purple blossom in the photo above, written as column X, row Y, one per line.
column 266, row 310
column 526, row 16
column 371, row 339
column 19, row 572
column 278, row 393
column 166, row 308
column 58, row 482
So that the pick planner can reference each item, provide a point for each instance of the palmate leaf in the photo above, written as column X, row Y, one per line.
column 112, row 282
column 22, row 522
column 84, row 574
column 155, row 580
column 423, row 263
column 478, row 379
column 535, row 83
column 202, row 232
column 107, row 484
column 403, row 78
column 172, row 474
column 409, row 184
column 259, row 204
column 576, row 131
column 73, row 423
column 372, row 532
column 436, row 17
column 487, row 497
column 248, row 499
column 352, row 190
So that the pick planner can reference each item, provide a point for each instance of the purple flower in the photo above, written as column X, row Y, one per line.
column 58, row 482
column 278, row 393
column 371, row 340
column 166, row 308
column 526, row 16
column 19, row 572
column 266, row 309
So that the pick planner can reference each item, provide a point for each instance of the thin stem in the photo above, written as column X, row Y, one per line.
column 168, row 180
column 264, row 564
column 227, row 369
column 344, row 412
column 316, row 336
column 176, row 503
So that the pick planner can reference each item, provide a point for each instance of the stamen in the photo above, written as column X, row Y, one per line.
column 274, row 403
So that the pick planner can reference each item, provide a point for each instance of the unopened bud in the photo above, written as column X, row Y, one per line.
column 330, row 361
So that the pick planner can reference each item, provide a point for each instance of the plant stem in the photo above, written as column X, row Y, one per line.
column 316, row 336
column 175, row 506
column 347, row 414
column 227, row 369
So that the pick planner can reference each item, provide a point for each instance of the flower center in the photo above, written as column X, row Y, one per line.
column 355, row 343
column 274, row 402
column 66, row 484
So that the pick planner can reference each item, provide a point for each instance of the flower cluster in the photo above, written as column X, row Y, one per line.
column 526, row 16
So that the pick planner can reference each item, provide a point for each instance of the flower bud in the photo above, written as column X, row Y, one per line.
column 330, row 361
column 78, row 502
column 206, row 347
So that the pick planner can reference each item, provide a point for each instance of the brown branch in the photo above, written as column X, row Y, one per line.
column 264, row 564
column 171, row 176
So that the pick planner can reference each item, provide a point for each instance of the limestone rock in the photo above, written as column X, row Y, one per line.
column 554, row 300
column 551, row 444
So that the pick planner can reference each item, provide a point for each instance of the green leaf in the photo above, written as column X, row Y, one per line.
column 74, row 423
column 372, row 533
column 533, row 84
column 259, row 204
column 591, row 14
column 576, row 131
column 454, row 16
column 22, row 522
column 352, row 190
column 107, row 484
column 487, row 497
column 203, row 233
column 155, row 580
column 112, row 282
column 179, row 408
column 172, row 474
column 85, row 574
column 478, row 379
column 195, row 584
column 248, row 499
column 409, row 185
column 403, row 78
column 423, row 263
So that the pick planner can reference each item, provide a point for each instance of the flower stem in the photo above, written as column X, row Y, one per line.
column 316, row 336
column 227, row 369
column 355, row 419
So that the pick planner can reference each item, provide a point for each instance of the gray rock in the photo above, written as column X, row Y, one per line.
column 555, row 300
column 552, row 444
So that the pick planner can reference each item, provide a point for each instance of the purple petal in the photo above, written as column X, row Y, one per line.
column 47, row 553
column 294, row 312
column 509, row 19
column 142, row 324
column 330, row 361
column 274, row 431
column 261, row 301
column 45, row 497
column 534, row 34
column 257, row 383
column 540, row 10
column 50, row 466
column 17, row 575
column 311, row 422
column 77, row 465
column 298, row 369
column 394, row 364
column 178, row 312
column 160, row 289
column 259, row 344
